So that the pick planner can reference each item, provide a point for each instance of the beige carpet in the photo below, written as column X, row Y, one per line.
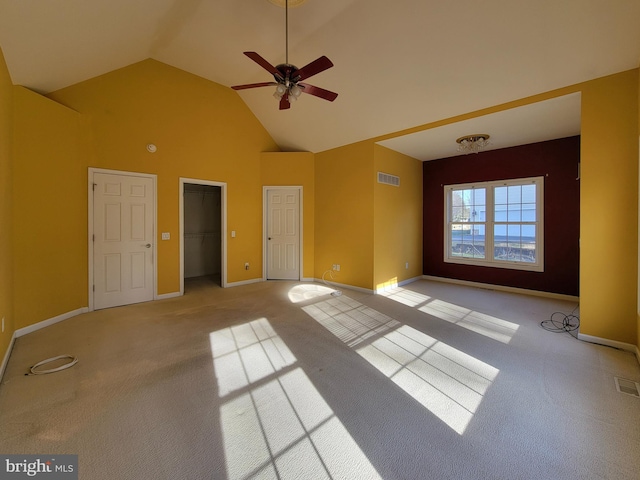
column 283, row 380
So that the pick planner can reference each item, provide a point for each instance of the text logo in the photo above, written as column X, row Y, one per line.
column 44, row 467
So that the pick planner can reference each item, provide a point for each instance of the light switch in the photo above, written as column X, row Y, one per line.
column 233, row 234
column 166, row 236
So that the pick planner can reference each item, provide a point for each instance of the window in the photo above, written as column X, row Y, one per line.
column 497, row 224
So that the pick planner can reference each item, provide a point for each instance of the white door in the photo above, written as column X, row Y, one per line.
column 283, row 234
column 123, row 243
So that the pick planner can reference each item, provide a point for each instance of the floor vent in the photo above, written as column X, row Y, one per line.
column 388, row 179
column 627, row 386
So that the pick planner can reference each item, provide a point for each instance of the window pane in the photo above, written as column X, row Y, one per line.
column 467, row 241
column 529, row 243
column 514, row 194
column 514, row 213
column 500, row 214
column 513, row 231
column 475, row 242
column 481, row 213
column 480, row 196
column 500, row 195
column 528, row 212
column 529, row 193
column 459, row 206
column 457, row 214
column 467, row 197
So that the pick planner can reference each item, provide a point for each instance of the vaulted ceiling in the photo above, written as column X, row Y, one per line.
column 397, row 64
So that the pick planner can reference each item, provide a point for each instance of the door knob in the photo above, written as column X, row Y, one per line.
column 148, row 245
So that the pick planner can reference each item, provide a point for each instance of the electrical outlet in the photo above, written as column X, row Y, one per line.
column 166, row 236
column 246, row 266
column 337, row 267
column 333, row 267
column 406, row 265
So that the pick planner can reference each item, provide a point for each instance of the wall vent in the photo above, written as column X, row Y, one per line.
column 388, row 179
column 627, row 386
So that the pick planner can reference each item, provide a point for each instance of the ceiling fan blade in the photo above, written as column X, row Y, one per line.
column 319, row 65
column 284, row 102
column 264, row 64
column 318, row 92
column 253, row 85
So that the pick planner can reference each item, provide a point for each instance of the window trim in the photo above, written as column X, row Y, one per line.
column 489, row 223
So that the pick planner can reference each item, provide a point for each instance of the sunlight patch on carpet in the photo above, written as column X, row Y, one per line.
column 449, row 383
column 275, row 424
column 487, row 325
column 309, row 291
column 404, row 296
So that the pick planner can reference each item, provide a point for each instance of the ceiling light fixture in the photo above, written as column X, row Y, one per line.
column 473, row 143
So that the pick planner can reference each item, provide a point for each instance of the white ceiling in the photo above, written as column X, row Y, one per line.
column 537, row 122
column 398, row 64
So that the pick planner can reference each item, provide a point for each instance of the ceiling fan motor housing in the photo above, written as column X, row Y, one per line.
column 288, row 73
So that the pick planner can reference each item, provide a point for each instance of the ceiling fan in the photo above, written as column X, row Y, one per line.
column 288, row 78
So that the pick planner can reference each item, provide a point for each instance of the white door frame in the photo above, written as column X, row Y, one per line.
column 223, row 233
column 154, row 179
column 265, row 231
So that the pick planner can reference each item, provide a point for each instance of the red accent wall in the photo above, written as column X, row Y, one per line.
column 557, row 161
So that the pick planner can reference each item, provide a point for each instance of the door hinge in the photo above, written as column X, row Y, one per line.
column 93, row 186
column 94, row 288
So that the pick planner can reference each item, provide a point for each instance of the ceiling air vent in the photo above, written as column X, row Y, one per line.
column 388, row 179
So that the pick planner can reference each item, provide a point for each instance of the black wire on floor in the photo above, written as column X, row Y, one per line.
column 561, row 322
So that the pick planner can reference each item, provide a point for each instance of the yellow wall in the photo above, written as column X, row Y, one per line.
column 202, row 130
column 49, row 210
column 295, row 169
column 6, row 203
column 344, row 213
column 397, row 219
column 205, row 131
column 609, row 208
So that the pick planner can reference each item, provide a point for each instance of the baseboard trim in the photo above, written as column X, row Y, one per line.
column 45, row 323
column 610, row 343
column 7, row 354
column 502, row 288
column 638, row 354
column 164, row 296
column 244, row 282
column 337, row 285
column 391, row 286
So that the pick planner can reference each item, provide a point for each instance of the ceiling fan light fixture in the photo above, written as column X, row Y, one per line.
column 280, row 90
column 473, row 143
column 287, row 76
column 295, row 91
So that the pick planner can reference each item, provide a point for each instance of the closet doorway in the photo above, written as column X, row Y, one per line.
column 202, row 233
